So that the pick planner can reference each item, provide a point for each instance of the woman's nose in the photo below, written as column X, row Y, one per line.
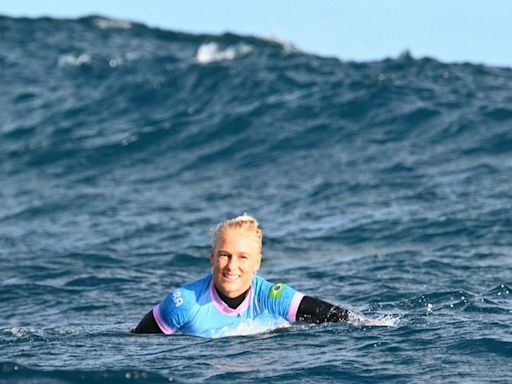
column 232, row 263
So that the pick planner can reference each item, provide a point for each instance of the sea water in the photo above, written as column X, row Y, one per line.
column 384, row 187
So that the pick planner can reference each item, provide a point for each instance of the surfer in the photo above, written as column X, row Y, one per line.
column 232, row 293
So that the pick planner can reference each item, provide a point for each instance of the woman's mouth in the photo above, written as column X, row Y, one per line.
column 230, row 276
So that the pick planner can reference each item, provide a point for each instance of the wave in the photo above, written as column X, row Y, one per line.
column 126, row 89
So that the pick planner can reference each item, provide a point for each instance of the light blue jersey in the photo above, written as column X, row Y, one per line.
column 196, row 308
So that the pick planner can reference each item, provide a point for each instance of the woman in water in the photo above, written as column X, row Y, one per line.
column 232, row 293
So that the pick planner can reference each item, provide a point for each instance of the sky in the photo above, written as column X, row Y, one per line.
column 476, row 31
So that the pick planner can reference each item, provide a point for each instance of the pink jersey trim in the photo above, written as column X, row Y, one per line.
column 294, row 306
column 223, row 308
column 161, row 322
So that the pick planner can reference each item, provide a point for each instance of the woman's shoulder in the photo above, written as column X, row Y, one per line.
column 262, row 284
column 199, row 285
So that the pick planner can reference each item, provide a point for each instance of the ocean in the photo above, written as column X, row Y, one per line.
column 384, row 187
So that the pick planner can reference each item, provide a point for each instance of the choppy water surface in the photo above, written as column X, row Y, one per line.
column 383, row 186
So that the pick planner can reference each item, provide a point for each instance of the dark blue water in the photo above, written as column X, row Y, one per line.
column 384, row 187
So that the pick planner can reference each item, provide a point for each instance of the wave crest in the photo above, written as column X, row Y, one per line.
column 212, row 52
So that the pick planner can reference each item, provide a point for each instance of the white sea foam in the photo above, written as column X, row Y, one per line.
column 211, row 52
column 251, row 327
column 104, row 23
column 379, row 321
column 288, row 47
column 24, row 332
column 74, row 60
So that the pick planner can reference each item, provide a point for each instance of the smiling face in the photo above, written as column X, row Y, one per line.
column 235, row 259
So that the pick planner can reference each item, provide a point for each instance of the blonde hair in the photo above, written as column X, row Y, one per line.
column 245, row 222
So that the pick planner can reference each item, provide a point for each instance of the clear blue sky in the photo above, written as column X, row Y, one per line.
column 478, row 31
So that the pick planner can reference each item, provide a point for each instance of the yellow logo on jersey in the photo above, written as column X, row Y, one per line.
column 276, row 291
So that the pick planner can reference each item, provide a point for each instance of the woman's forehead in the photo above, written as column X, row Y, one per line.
column 238, row 235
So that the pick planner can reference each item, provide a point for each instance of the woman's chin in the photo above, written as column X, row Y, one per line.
column 231, row 289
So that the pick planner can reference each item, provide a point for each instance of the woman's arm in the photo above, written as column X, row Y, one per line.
column 147, row 325
column 313, row 310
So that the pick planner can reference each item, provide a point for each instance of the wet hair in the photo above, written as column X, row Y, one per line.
column 245, row 222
